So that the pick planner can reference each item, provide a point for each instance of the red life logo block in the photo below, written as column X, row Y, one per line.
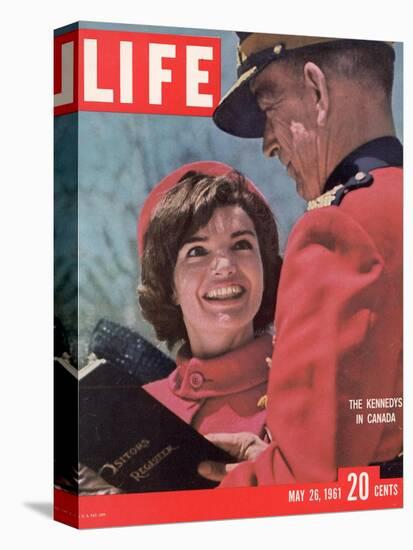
column 130, row 72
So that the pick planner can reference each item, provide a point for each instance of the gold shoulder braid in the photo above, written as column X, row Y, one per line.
column 336, row 195
column 325, row 199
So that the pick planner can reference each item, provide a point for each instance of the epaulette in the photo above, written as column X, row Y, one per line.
column 335, row 196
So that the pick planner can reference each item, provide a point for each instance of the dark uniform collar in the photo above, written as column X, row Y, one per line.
column 378, row 153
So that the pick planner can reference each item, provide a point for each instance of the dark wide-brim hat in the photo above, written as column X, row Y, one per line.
column 238, row 113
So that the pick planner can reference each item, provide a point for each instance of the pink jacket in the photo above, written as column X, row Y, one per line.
column 219, row 394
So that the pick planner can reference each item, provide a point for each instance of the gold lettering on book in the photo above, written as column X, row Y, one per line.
column 119, row 462
column 144, row 471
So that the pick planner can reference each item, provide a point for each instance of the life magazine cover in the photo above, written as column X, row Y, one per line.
column 228, row 274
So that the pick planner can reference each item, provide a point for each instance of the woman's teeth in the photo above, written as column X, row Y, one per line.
column 225, row 293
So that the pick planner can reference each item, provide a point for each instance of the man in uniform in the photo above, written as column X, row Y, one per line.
column 323, row 107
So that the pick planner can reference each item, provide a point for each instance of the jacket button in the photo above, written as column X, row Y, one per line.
column 360, row 176
column 196, row 380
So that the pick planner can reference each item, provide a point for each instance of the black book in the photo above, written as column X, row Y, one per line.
column 105, row 421
column 136, row 444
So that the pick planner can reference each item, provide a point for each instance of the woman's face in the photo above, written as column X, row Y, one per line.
column 218, row 277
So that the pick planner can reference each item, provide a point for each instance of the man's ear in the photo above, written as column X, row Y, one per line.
column 315, row 80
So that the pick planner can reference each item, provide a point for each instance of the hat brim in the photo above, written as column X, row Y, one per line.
column 238, row 113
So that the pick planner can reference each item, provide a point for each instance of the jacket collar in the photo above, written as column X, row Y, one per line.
column 378, row 153
column 233, row 372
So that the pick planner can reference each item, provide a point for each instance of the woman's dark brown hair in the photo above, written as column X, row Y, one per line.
column 181, row 212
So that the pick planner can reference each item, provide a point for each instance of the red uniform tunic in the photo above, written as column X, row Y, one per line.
column 339, row 337
column 220, row 394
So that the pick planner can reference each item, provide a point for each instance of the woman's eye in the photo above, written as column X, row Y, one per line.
column 196, row 251
column 242, row 245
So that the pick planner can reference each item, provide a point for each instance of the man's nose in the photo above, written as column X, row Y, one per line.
column 223, row 265
column 270, row 145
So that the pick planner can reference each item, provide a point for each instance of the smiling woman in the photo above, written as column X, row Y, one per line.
column 210, row 266
column 218, row 282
